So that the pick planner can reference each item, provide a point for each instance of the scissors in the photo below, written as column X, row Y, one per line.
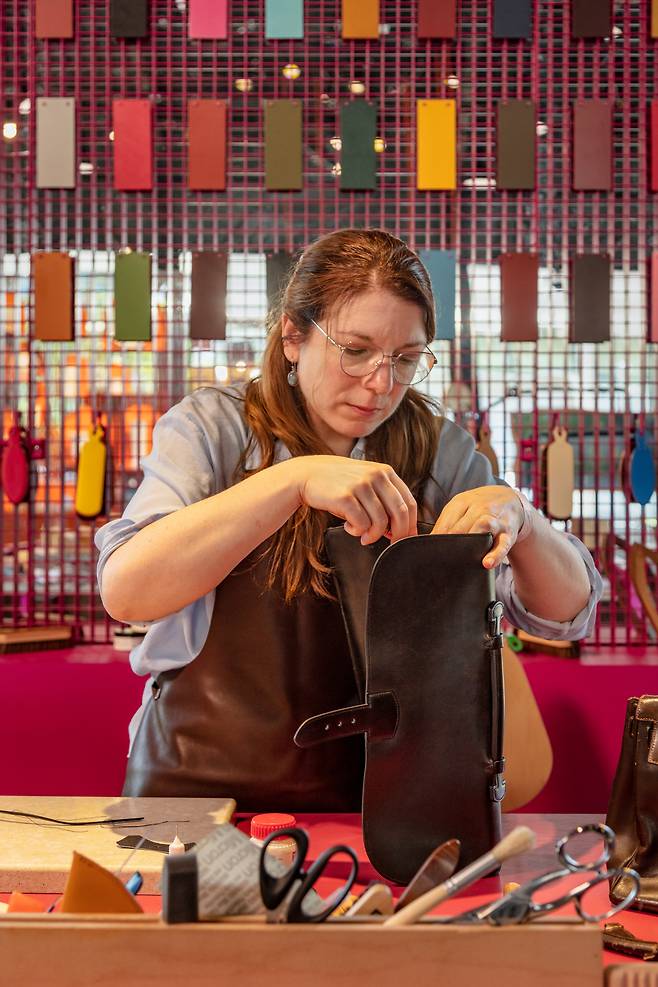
column 294, row 888
column 520, row 905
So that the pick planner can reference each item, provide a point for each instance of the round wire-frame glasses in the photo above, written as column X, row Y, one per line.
column 408, row 367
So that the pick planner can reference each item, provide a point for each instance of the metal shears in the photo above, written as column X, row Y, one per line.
column 291, row 896
column 523, row 905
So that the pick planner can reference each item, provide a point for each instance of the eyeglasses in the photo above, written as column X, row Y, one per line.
column 409, row 367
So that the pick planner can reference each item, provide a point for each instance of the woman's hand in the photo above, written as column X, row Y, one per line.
column 493, row 508
column 371, row 497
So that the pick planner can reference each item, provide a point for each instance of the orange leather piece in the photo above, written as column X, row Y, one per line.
column 91, row 889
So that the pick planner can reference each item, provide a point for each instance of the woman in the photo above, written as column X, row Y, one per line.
column 221, row 548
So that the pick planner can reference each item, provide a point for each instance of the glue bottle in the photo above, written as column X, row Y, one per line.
column 266, row 823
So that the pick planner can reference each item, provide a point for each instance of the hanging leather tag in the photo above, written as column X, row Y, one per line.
column 484, row 446
column 16, row 466
column 90, row 487
column 559, row 476
column 642, row 470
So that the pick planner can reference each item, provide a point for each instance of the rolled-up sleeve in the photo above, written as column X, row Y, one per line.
column 460, row 467
column 177, row 472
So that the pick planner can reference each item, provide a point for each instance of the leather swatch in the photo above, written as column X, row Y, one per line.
column 284, row 19
column 592, row 144
column 437, row 19
column 654, row 19
column 591, row 19
column 518, row 291
column 132, row 297
column 512, row 19
column 358, row 123
column 360, row 19
column 55, row 142
column 283, row 144
column 129, row 18
column 53, row 19
column 436, row 155
column 53, row 296
column 653, row 146
column 652, row 334
column 207, row 144
column 441, row 266
column 208, row 308
column 208, row 19
column 515, row 145
column 590, row 299
column 278, row 267
column 133, row 157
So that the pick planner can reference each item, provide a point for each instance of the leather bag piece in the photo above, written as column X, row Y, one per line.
column 590, row 299
column 208, row 307
column 53, row 297
column 207, row 145
column 53, row 19
column 430, row 661
column 592, row 145
column 442, row 268
column 437, row 20
column 208, row 19
column 633, row 807
column 283, row 144
column 128, row 18
column 16, row 465
column 557, row 476
column 284, row 19
column 360, row 19
column 518, row 289
column 591, row 18
column 358, row 123
column 618, row 939
column 55, row 142
column 436, row 155
column 512, row 19
column 90, row 485
column 515, row 145
column 132, row 297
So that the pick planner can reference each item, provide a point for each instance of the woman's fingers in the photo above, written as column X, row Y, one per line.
column 499, row 550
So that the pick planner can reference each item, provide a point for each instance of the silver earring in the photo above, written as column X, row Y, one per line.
column 292, row 375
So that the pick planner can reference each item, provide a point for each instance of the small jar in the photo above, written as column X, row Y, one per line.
column 269, row 822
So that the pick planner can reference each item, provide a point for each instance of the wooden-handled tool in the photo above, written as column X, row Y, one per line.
column 517, row 842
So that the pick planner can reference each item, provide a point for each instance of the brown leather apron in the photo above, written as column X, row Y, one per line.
column 223, row 724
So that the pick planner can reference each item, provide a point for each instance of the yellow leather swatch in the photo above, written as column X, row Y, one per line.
column 360, row 18
column 90, row 487
column 91, row 889
column 436, row 152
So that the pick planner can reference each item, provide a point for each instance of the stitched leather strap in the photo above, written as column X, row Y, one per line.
column 378, row 718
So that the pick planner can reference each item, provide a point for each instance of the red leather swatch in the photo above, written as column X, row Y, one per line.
column 653, row 146
column 518, row 281
column 53, row 19
column 592, row 144
column 437, row 18
column 208, row 18
column 652, row 334
column 133, row 156
column 207, row 144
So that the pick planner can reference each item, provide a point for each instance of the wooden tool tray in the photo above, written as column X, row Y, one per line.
column 133, row 951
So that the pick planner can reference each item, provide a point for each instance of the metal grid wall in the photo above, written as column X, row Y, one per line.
column 48, row 558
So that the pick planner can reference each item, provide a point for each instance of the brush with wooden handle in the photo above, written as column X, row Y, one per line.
column 516, row 843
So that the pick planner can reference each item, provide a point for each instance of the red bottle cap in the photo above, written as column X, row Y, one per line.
column 268, row 822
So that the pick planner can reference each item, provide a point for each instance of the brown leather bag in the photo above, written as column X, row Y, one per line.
column 424, row 631
column 633, row 808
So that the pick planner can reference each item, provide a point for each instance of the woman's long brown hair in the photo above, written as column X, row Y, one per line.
column 331, row 271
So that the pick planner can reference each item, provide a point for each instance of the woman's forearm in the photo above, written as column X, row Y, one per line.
column 550, row 576
column 181, row 557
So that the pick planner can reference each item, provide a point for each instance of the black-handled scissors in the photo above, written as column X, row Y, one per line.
column 295, row 886
column 520, row 905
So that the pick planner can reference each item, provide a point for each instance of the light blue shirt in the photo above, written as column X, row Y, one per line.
column 196, row 447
